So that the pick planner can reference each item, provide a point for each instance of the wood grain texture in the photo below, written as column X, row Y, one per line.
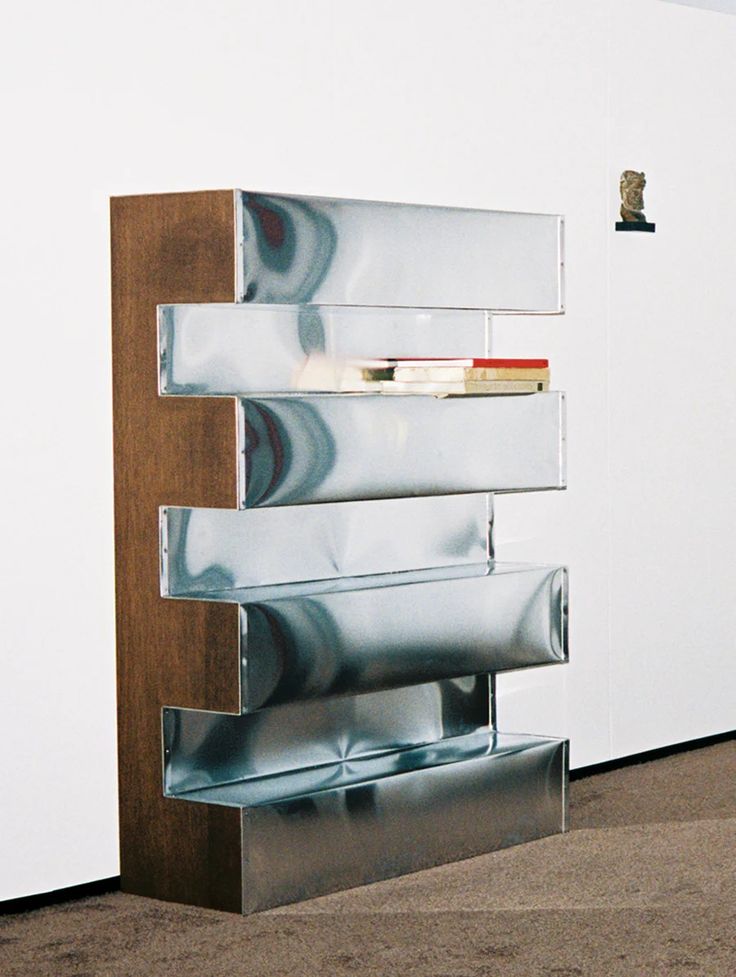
column 169, row 248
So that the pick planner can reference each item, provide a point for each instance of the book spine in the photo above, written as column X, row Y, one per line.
column 454, row 374
column 465, row 387
column 506, row 386
column 478, row 362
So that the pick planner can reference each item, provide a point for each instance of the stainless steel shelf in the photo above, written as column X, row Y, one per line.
column 223, row 549
column 372, row 615
column 364, row 252
column 396, row 812
column 340, row 447
column 225, row 350
column 204, row 749
column 385, row 634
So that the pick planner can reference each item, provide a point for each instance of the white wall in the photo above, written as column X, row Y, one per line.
column 512, row 104
column 672, row 346
column 724, row 6
column 647, row 521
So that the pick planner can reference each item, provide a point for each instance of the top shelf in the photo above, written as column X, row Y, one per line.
column 296, row 250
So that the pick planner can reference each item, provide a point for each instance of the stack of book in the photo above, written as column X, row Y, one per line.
column 441, row 377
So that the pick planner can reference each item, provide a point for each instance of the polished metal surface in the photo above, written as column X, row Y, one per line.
column 203, row 749
column 489, row 796
column 298, row 250
column 257, row 791
column 209, row 350
column 356, row 641
column 337, row 585
column 352, row 822
column 222, row 549
column 372, row 615
column 339, row 447
column 306, row 647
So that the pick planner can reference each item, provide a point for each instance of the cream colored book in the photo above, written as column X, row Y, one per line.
column 462, row 387
column 454, row 374
column 324, row 373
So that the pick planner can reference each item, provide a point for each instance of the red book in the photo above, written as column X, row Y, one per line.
column 492, row 363
column 475, row 362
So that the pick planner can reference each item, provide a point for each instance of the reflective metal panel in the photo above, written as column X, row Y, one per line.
column 239, row 349
column 488, row 798
column 349, row 823
column 361, row 640
column 202, row 749
column 361, row 252
column 221, row 549
column 334, row 447
column 337, row 585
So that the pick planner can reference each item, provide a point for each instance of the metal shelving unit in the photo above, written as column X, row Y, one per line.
column 344, row 605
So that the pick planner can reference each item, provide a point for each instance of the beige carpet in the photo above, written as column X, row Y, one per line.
column 644, row 885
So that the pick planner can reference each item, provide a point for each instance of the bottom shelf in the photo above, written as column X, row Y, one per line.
column 338, row 825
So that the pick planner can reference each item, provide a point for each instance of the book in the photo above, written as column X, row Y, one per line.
column 461, row 387
column 445, row 374
column 489, row 363
column 324, row 373
column 321, row 372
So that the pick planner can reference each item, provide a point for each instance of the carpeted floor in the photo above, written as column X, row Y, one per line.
column 644, row 885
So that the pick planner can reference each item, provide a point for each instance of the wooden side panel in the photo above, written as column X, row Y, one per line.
column 169, row 248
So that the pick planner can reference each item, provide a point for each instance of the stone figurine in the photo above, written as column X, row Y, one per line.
column 632, row 196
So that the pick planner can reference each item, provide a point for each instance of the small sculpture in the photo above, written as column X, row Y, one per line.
column 632, row 196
